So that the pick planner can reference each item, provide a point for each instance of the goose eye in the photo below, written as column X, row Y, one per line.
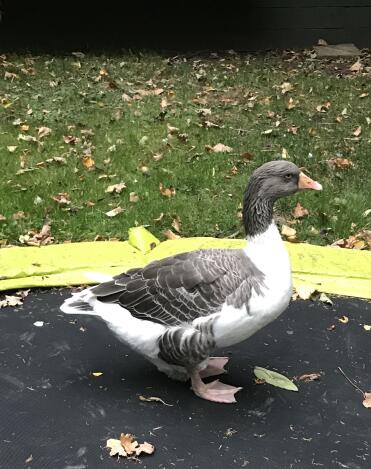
column 288, row 177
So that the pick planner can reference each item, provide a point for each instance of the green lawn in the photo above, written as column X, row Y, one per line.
column 118, row 111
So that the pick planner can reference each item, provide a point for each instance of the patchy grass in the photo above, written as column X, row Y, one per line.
column 117, row 111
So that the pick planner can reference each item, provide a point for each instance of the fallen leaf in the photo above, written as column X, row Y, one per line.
column 145, row 448
column 176, row 223
column 154, row 399
column 88, row 161
column 29, row 459
column 367, row 328
column 158, row 156
column 19, row 215
column 144, row 169
column 323, row 107
column 364, row 95
column 160, row 217
column 309, row 377
column 11, row 148
column 267, row 132
column 171, row 235
column 304, row 292
column 289, row 233
column 358, row 131
column 43, row 132
column 366, row 213
column 368, row 120
column 70, row 139
column 284, row 154
column 35, row 238
column 116, row 211
column 291, row 104
column 14, row 300
column 341, row 163
column 356, row 67
column 129, row 443
column 97, row 374
column 2, row 218
column 143, row 140
column 116, row 188
column 219, row 148
column 275, row 379
column 286, row 87
column 26, row 138
column 325, row 299
column 167, row 191
column 133, row 197
column 367, row 400
column 344, row 319
column 62, row 198
column 115, row 447
column 322, row 42
column 299, row 211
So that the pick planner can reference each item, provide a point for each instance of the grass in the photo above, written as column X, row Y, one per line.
column 112, row 105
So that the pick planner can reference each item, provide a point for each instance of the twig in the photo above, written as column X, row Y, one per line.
column 350, row 381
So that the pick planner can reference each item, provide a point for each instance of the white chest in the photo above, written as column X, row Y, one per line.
column 270, row 256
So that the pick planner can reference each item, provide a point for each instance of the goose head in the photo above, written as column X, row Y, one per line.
column 277, row 179
column 268, row 183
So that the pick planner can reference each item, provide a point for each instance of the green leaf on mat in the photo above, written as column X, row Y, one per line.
column 275, row 379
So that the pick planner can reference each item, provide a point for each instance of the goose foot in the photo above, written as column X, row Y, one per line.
column 214, row 391
column 215, row 367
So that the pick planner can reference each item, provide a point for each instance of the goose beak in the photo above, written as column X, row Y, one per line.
column 305, row 182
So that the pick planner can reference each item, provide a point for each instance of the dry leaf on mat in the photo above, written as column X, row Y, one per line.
column 127, row 446
column 154, row 399
column 309, row 377
column 367, row 400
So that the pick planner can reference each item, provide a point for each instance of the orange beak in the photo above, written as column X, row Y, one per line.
column 305, row 182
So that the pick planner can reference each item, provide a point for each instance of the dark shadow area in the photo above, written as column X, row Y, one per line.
column 65, row 26
column 54, row 408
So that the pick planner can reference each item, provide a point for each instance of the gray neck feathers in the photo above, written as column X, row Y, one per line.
column 257, row 211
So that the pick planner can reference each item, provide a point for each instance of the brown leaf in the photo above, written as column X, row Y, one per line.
column 367, row 400
column 116, row 188
column 293, row 130
column 19, row 215
column 304, row 292
column 291, row 104
column 11, row 148
column 62, row 198
column 2, row 218
column 357, row 131
column 145, row 448
column 309, row 377
column 133, row 197
column 116, row 211
column 70, row 139
column 158, row 156
column 340, row 163
column 34, row 238
column 88, row 161
column 115, row 447
column 356, row 67
column 154, row 399
column 286, row 87
column 128, row 442
column 219, row 148
column 43, row 132
column 167, row 191
column 299, row 211
column 323, row 107
column 289, row 233
column 171, row 235
column 10, row 300
column 176, row 224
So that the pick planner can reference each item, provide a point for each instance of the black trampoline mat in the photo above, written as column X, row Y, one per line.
column 54, row 409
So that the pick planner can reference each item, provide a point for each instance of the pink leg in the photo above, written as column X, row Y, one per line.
column 215, row 367
column 214, row 391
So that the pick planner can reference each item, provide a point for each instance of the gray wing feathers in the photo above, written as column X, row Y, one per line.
column 178, row 289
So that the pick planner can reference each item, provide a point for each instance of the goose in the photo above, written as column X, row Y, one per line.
column 176, row 311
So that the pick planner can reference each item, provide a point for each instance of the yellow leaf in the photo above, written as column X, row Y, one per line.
column 88, row 161
column 344, row 319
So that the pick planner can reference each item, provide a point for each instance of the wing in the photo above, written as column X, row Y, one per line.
column 181, row 288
